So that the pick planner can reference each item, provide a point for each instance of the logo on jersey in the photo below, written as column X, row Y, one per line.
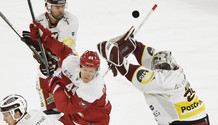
column 150, row 51
column 82, row 104
column 144, row 76
column 187, row 109
column 50, row 99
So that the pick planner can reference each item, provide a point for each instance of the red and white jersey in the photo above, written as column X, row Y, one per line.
column 167, row 92
column 82, row 103
column 35, row 117
column 87, row 91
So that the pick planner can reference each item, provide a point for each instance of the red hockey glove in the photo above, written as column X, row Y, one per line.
column 50, row 84
column 125, row 43
column 44, row 32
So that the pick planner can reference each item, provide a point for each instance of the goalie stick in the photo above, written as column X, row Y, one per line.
column 14, row 29
column 146, row 18
column 45, row 61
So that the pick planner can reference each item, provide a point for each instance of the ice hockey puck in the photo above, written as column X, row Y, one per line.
column 135, row 14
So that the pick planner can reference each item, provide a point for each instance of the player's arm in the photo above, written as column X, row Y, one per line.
column 60, row 50
column 66, row 99
column 144, row 54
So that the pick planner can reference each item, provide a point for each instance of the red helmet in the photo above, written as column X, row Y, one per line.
column 56, row 2
column 90, row 59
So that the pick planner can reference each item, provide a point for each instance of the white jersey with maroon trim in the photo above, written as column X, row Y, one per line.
column 167, row 92
column 66, row 29
column 35, row 117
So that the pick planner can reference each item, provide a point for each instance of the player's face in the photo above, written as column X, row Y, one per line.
column 87, row 74
column 57, row 11
column 8, row 118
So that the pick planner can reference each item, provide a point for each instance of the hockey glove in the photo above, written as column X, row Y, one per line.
column 125, row 43
column 53, row 65
column 50, row 84
column 44, row 32
column 112, row 67
column 112, row 54
column 27, row 39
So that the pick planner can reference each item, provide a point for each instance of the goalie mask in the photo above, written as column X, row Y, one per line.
column 14, row 102
column 163, row 60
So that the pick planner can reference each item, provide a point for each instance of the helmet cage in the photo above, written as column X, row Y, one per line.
column 162, row 59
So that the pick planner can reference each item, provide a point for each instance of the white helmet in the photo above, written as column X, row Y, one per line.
column 164, row 60
column 12, row 103
column 55, row 2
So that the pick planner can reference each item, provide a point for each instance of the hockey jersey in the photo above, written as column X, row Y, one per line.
column 65, row 31
column 167, row 92
column 81, row 103
column 35, row 117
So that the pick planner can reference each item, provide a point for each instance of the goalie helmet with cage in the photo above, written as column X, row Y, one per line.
column 163, row 60
column 13, row 103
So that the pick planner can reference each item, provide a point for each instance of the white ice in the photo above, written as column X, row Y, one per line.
column 189, row 28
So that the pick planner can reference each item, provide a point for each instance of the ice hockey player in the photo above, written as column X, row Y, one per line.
column 80, row 93
column 162, row 81
column 14, row 110
column 64, row 27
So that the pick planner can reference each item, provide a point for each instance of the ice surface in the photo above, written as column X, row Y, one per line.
column 189, row 28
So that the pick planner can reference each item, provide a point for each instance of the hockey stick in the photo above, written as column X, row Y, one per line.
column 45, row 61
column 146, row 18
column 14, row 29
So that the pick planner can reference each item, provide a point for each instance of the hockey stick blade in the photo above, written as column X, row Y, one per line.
column 14, row 29
column 45, row 61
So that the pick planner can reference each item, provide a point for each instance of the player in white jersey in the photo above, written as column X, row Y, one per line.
column 14, row 110
column 80, row 93
column 64, row 28
column 162, row 81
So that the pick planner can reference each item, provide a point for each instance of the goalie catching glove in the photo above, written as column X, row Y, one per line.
column 115, row 51
column 113, row 55
column 125, row 42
